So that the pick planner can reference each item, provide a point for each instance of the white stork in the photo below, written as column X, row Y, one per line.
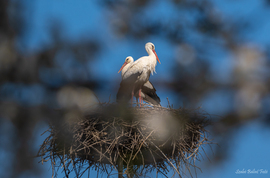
column 148, row 90
column 137, row 74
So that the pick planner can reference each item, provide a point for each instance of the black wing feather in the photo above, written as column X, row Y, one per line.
column 150, row 95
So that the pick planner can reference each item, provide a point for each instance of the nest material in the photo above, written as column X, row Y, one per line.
column 132, row 140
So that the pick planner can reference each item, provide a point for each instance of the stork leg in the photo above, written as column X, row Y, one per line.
column 132, row 94
column 140, row 96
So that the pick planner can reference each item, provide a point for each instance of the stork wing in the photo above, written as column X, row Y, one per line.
column 149, row 94
column 149, row 90
column 154, row 100
column 126, row 86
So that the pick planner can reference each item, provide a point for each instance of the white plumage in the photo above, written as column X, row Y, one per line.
column 137, row 74
column 148, row 92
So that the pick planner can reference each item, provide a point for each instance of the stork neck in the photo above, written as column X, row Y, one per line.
column 125, row 69
column 150, row 52
column 152, row 61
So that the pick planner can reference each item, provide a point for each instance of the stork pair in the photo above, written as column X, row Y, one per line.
column 135, row 78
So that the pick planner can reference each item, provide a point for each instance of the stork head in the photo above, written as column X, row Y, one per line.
column 151, row 47
column 129, row 59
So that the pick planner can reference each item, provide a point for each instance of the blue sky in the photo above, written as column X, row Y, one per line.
column 249, row 150
column 87, row 19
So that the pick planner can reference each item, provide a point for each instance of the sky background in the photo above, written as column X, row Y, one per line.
column 249, row 144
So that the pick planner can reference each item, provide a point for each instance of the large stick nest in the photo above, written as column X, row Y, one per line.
column 135, row 140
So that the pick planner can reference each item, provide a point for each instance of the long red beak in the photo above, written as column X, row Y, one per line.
column 156, row 56
column 125, row 63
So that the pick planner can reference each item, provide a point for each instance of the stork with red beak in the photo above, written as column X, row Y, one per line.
column 137, row 75
column 148, row 93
